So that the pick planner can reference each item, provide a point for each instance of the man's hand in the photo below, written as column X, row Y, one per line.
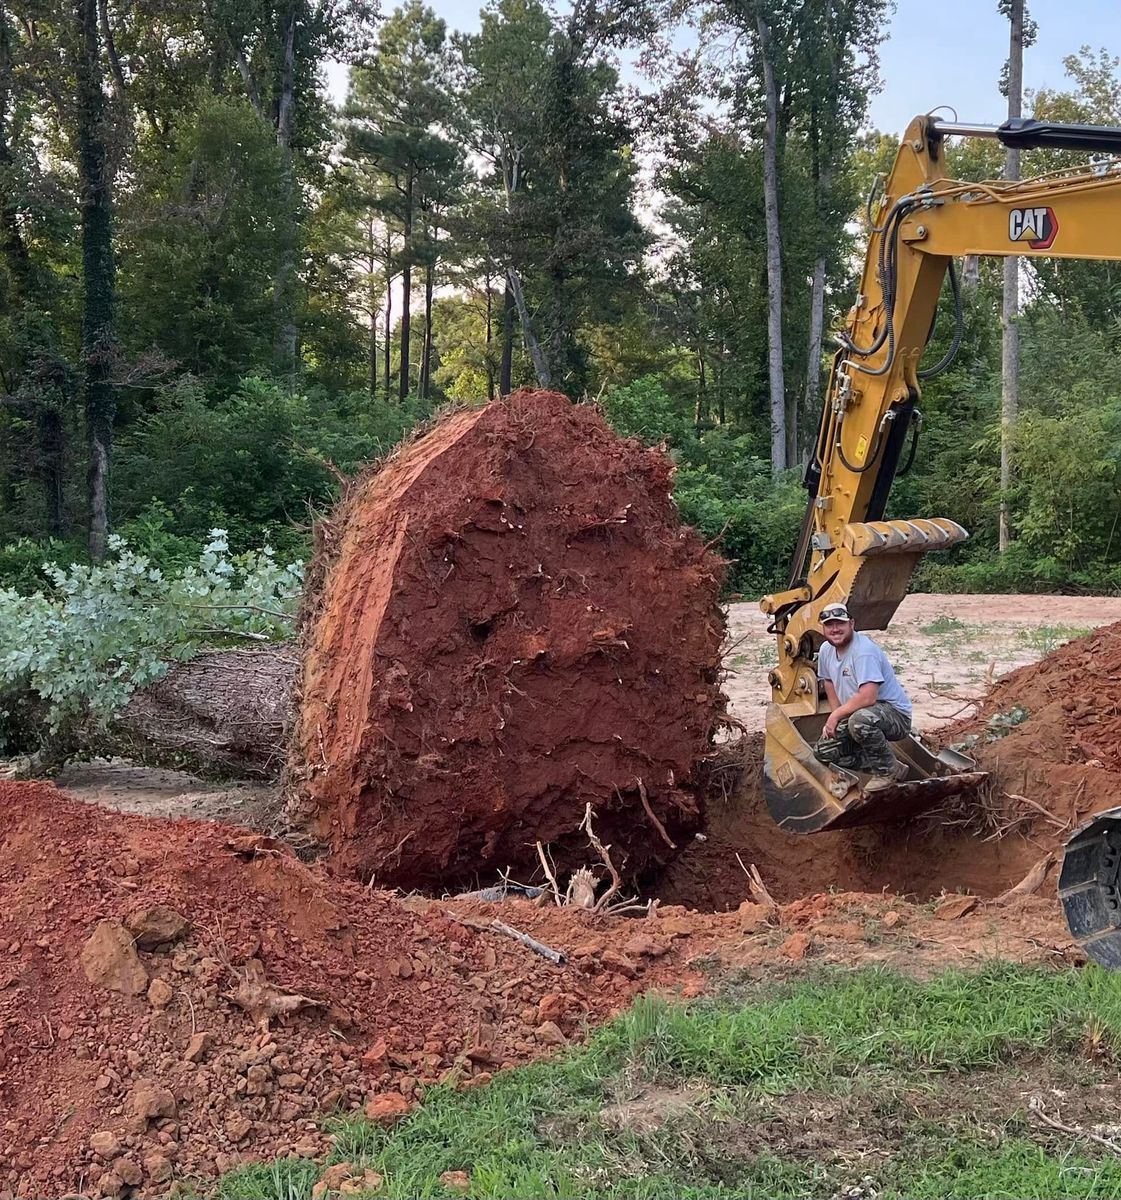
column 831, row 722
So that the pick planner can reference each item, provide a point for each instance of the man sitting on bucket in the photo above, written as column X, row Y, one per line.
column 869, row 708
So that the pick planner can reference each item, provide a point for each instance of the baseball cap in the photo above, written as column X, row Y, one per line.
column 835, row 612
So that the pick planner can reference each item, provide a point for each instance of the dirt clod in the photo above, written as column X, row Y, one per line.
column 157, row 926
column 105, row 1144
column 109, row 960
column 796, row 946
column 160, row 993
column 148, row 1101
column 386, row 1109
column 198, row 1047
column 955, row 908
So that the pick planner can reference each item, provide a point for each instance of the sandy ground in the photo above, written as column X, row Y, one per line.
column 154, row 792
column 945, row 649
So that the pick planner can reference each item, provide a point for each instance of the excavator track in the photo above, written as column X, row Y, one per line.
column 1090, row 887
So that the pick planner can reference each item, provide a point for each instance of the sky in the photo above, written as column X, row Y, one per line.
column 938, row 52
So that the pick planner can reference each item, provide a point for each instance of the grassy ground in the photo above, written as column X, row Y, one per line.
column 839, row 1086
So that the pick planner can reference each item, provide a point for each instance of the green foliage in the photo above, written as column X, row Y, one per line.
column 203, row 242
column 723, row 486
column 104, row 631
column 251, row 462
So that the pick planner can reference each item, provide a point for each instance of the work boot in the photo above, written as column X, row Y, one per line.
column 885, row 773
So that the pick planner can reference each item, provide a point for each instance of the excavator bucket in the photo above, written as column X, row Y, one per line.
column 805, row 795
column 1090, row 887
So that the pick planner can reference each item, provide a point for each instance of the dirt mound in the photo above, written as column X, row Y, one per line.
column 515, row 625
column 139, row 962
column 919, row 858
column 179, row 997
column 1058, row 765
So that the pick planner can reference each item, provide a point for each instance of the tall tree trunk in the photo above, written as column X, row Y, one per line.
column 490, row 342
column 99, row 394
column 371, row 308
column 506, row 370
column 813, row 349
column 774, row 251
column 1010, row 339
column 426, row 359
column 406, row 290
column 540, row 366
column 287, row 329
column 387, row 350
column 700, row 409
column 52, row 455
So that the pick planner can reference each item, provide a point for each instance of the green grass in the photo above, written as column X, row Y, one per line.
column 942, row 624
column 873, row 1050
column 1046, row 638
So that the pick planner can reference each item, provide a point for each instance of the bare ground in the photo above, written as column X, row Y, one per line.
column 945, row 649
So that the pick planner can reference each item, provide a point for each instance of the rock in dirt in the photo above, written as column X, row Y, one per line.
column 158, row 1167
column 159, row 993
column 549, row 1032
column 955, row 907
column 332, row 1180
column 456, row 1181
column 109, row 960
column 198, row 1047
column 796, row 946
column 386, row 1109
column 105, row 1144
column 156, row 926
column 513, row 624
column 148, row 1101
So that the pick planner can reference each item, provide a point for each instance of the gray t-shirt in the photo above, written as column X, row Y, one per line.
column 861, row 662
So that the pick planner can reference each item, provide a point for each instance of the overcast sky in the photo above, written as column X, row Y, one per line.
column 938, row 52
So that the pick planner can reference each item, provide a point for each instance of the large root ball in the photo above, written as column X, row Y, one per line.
column 514, row 625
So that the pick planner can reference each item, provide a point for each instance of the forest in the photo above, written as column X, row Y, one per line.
column 223, row 291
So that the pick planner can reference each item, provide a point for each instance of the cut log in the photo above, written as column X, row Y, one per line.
column 226, row 712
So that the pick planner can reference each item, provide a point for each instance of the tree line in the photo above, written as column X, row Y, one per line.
column 219, row 291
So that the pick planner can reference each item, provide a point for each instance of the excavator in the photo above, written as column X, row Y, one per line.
column 848, row 551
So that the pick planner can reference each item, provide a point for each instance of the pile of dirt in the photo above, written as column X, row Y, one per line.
column 180, row 997
column 514, row 625
column 918, row 858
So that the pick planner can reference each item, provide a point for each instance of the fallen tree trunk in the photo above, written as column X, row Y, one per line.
column 226, row 712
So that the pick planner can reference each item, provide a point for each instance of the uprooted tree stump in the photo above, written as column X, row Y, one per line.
column 513, row 624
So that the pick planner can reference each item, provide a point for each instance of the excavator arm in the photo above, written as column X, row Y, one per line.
column 869, row 430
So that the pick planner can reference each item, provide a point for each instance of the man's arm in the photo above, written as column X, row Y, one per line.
column 865, row 697
column 830, row 694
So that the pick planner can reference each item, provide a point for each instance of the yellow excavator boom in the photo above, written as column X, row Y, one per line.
column 848, row 552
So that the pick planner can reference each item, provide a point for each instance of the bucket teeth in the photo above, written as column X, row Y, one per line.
column 902, row 537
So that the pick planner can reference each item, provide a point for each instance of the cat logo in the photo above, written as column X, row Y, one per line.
column 1035, row 226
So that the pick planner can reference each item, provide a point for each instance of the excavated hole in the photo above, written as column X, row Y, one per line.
column 919, row 859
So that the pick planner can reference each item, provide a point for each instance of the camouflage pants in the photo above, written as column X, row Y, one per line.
column 861, row 740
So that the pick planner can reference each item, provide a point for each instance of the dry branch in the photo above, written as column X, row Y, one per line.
column 653, row 819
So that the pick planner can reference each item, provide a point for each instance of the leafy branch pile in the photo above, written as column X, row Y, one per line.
column 81, row 649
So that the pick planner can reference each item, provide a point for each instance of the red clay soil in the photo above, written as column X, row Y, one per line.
column 515, row 625
column 404, row 998
column 108, row 1093
column 1065, row 759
